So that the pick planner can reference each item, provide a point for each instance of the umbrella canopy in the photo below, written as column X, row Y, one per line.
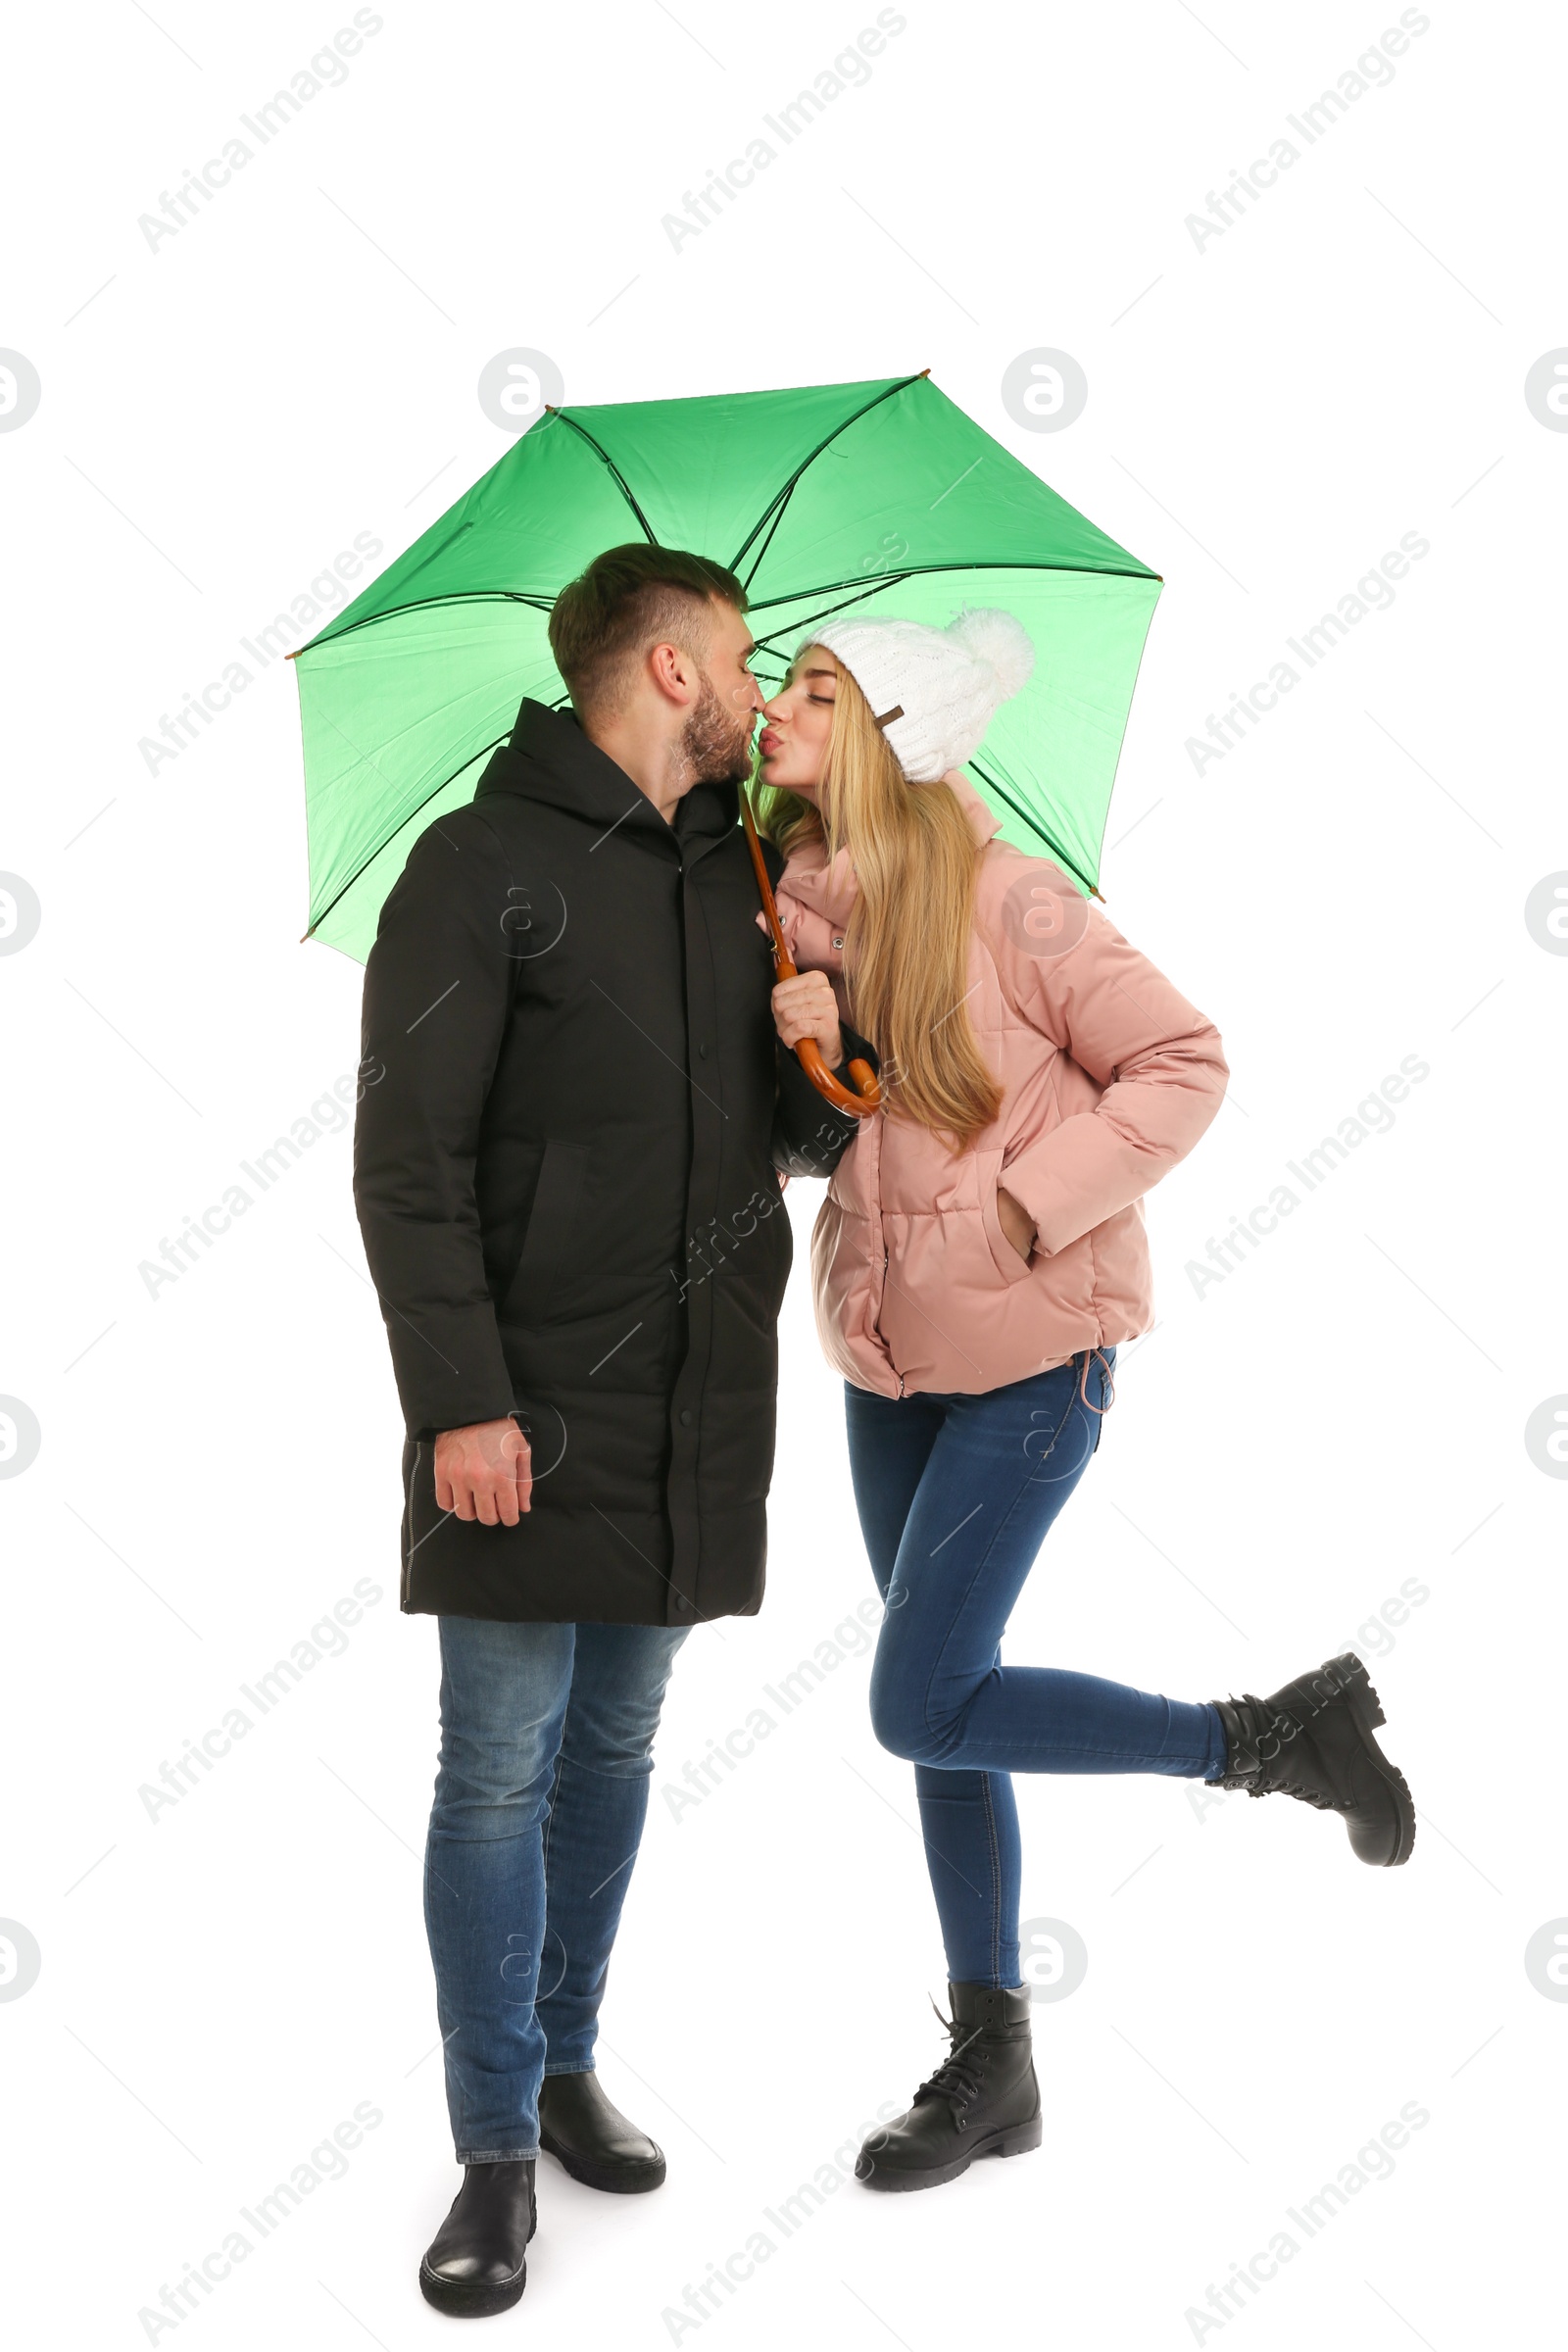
column 878, row 497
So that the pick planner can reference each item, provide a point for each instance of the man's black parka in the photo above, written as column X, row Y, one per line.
column 572, row 1112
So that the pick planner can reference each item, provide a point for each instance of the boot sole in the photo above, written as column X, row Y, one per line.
column 618, row 2179
column 463, row 2302
column 1015, row 2141
column 1366, row 1713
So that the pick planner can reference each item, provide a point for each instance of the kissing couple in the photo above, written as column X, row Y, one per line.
column 570, row 1185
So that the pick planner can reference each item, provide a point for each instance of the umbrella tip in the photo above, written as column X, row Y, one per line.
column 923, row 372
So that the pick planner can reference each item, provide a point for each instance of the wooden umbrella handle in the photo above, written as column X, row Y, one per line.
column 867, row 1097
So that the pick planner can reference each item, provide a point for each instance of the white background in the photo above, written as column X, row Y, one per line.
column 1266, row 416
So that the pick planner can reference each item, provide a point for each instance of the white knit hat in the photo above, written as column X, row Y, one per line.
column 944, row 686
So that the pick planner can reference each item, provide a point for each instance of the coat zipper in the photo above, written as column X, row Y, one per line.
column 884, row 1289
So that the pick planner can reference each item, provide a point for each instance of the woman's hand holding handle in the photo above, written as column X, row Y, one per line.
column 805, row 1006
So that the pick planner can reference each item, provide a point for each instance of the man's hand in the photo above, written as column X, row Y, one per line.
column 805, row 1006
column 484, row 1471
column 1015, row 1222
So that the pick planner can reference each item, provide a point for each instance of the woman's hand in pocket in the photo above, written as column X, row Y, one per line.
column 1015, row 1222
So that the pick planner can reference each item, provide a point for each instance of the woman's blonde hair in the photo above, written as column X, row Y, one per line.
column 906, row 948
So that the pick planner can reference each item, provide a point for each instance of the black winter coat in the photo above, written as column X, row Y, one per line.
column 564, row 1166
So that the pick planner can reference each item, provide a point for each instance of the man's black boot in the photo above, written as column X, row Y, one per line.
column 580, row 2127
column 477, row 2261
column 1313, row 1739
column 983, row 2100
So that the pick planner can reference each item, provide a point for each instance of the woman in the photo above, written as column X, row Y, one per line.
column 978, row 1258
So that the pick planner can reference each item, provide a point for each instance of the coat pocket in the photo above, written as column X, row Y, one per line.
column 547, row 1237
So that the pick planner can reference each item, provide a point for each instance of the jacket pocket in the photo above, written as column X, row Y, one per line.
column 547, row 1237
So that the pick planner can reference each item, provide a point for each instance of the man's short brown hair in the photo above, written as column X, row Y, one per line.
column 628, row 599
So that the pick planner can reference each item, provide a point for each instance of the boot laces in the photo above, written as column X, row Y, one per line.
column 958, row 2077
column 1268, row 1743
column 1304, row 1790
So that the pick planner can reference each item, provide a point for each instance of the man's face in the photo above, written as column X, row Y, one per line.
column 718, row 735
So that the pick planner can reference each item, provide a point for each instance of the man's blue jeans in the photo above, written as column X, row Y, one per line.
column 540, row 1796
column 955, row 1495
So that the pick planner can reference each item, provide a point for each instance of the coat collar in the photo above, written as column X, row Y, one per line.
column 549, row 758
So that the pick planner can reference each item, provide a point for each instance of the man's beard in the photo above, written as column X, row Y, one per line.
column 715, row 742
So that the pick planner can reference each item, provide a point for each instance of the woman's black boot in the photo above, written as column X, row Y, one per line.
column 983, row 2100
column 476, row 2264
column 1313, row 1739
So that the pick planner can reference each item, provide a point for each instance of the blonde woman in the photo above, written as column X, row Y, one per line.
column 979, row 1255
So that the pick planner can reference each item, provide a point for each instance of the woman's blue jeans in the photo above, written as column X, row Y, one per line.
column 955, row 1495
column 540, row 1796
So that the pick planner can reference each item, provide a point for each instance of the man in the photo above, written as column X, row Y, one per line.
column 566, row 1183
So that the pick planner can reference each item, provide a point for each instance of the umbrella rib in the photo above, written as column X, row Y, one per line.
column 363, row 868
column 894, row 579
column 620, row 478
column 779, row 514
column 780, row 498
column 1087, row 571
column 429, row 603
column 1033, row 823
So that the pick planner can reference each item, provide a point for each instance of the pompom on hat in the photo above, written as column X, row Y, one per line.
column 934, row 691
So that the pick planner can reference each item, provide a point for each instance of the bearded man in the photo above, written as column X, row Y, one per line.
column 568, row 1185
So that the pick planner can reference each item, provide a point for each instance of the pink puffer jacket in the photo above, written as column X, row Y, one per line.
column 1109, row 1077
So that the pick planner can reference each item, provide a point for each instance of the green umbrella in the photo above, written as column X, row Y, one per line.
column 880, row 497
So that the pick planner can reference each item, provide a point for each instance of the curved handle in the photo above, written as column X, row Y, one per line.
column 867, row 1096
